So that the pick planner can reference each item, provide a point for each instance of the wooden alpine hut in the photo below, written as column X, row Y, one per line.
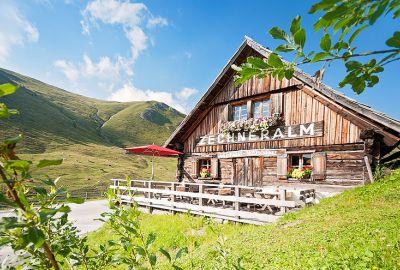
column 259, row 133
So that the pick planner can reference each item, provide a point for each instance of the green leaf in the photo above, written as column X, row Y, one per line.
column 40, row 190
column 180, row 253
column 300, row 37
column 35, row 236
column 7, row 89
column 140, row 250
column 381, row 8
column 325, row 43
column 274, row 60
column 321, row 23
column 47, row 162
column 150, row 239
column 322, row 5
column 285, row 48
column 350, row 65
column 278, row 33
column 166, row 254
column 394, row 41
column 5, row 200
column 6, row 112
column 319, row 56
column 356, row 33
column 153, row 259
column 295, row 26
column 18, row 165
column 289, row 73
column 14, row 140
column 257, row 62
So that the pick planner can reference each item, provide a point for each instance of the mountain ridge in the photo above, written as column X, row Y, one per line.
column 51, row 116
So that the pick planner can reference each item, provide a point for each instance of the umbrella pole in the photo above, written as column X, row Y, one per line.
column 152, row 167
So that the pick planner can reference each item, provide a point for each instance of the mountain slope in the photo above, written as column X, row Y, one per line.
column 50, row 117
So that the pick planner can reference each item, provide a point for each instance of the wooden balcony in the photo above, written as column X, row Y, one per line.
column 228, row 202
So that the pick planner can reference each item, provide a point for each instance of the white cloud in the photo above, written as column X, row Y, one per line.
column 104, row 69
column 132, row 18
column 114, row 12
column 130, row 93
column 157, row 21
column 15, row 28
column 186, row 93
column 68, row 69
column 138, row 40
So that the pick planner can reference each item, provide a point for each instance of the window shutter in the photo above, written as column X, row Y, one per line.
column 318, row 161
column 214, row 168
column 281, row 166
column 276, row 103
column 249, row 111
column 226, row 113
column 195, row 168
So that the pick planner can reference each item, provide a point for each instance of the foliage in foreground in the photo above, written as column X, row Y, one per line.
column 39, row 230
column 358, row 229
column 340, row 23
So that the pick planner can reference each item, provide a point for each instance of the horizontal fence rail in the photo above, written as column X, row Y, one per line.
column 231, row 202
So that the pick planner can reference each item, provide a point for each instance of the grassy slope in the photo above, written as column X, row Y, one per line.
column 85, row 131
column 147, row 122
column 359, row 229
column 93, row 164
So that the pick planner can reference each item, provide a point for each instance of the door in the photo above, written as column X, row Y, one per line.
column 247, row 171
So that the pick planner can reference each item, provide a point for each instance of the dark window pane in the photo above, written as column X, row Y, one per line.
column 295, row 161
column 307, row 160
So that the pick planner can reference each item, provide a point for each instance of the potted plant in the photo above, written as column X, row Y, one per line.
column 301, row 174
column 205, row 173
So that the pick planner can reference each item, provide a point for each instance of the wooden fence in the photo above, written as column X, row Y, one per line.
column 229, row 202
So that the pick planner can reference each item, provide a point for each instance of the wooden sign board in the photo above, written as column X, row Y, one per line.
column 251, row 153
column 277, row 133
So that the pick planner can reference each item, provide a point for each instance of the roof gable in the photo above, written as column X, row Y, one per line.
column 249, row 47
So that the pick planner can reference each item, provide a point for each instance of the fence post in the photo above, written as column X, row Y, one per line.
column 237, row 195
column 151, row 195
column 282, row 197
column 201, row 191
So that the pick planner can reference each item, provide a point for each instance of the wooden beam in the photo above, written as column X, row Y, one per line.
column 260, row 95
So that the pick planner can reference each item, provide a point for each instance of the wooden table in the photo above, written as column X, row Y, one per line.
column 213, row 191
column 268, row 194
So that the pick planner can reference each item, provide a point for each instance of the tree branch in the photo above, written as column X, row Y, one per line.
column 14, row 194
column 351, row 56
column 390, row 61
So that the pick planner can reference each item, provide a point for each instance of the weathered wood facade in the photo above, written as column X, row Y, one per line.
column 318, row 127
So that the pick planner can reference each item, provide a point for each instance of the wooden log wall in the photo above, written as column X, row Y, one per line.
column 299, row 106
column 345, row 167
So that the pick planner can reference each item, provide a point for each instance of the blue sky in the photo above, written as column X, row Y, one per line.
column 169, row 51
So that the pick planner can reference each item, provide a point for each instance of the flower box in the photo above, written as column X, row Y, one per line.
column 251, row 124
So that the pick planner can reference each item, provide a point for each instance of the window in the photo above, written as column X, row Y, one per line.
column 261, row 108
column 205, row 163
column 240, row 112
column 300, row 160
column 205, row 168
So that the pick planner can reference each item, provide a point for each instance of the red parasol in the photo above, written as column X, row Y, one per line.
column 152, row 150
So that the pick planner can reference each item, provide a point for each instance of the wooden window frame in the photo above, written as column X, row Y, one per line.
column 239, row 104
column 250, row 107
column 301, row 159
column 265, row 98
